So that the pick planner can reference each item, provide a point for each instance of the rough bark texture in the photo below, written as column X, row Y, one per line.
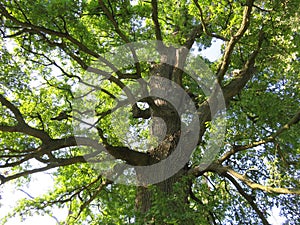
column 166, row 126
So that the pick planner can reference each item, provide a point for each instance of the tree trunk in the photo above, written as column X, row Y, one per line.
column 166, row 126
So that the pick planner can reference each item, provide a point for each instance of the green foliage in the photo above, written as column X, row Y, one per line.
column 46, row 47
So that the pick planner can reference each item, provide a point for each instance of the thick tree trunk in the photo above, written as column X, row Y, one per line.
column 166, row 126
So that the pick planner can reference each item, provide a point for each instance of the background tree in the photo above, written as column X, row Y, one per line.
column 50, row 44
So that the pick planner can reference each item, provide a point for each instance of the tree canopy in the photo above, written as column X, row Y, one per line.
column 95, row 91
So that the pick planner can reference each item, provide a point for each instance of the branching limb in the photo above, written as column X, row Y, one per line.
column 113, row 21
column 234, row 40
column 50, row 145
column 41, row 169
column 97, row 71
column 195, row 33
column 51, row 62
column 21, row 126
column 238, row 83
column 204, row 25
column 211, row 216
column 123, row 153
column 139, row 113
column 93, row 197
column 222, row 170
column 231, row 89
column 64, row 47
column 271, row 138
column 73, row 192
column 122, row 35
column 254, row 186
column 248, row 198
column 231, row 175
column 31, row 197
column 48, row 31
column 41, row 31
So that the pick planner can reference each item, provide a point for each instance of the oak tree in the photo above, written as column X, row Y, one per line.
column 55, row 54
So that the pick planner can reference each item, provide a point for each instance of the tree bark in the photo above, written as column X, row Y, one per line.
column 166, row 126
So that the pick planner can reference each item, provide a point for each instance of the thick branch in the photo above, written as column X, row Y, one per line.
column 237, row 84
column 268, row 189
column 123, row 153
column 222, row 170
column 195, row 33
column 13, row 109
column 205, row 110
column 21, row 126
column 139, row 113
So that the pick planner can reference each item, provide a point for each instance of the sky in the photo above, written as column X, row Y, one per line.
column 42, row 182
